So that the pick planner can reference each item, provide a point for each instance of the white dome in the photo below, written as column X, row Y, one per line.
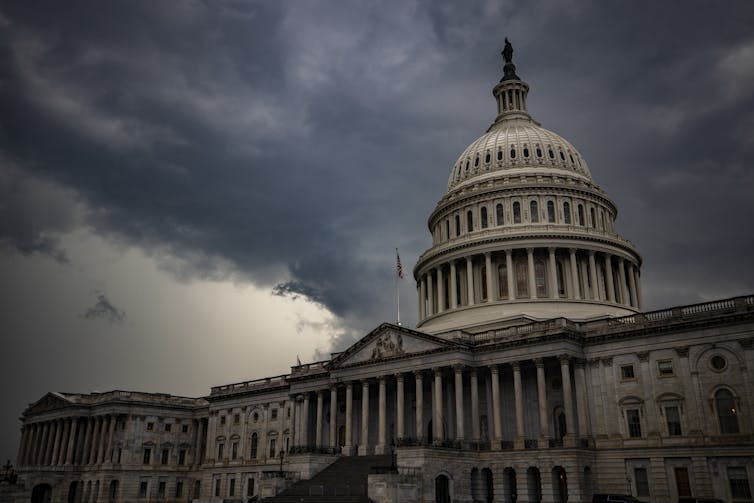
column 517, row 144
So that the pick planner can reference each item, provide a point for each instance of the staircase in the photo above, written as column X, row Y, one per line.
column 344, row 481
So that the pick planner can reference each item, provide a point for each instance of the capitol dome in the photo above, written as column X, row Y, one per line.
column 523, row 231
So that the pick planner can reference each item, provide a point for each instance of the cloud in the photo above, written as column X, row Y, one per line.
column 103, row 309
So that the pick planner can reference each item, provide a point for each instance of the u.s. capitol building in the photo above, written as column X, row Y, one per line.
column 533, row 374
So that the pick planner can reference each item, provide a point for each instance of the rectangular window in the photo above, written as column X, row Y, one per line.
column 665, row 367
column 673, row 417
column 682, row 483
column 274, row 414
column 197, row 489
column 250, row 487
column 178, row 489
column 634, row 423
column 165, row 456
column 739, row 483
column 232, row 487
column 217, row 487
column 143, row 489
column 234, row 450
column 150, row 426
column 222, row 420
column 627, row 372
column 168, row 426
column 184, row 428
column 161, row 490
column 147, row 456
column 288, row 412
column 642, row 482
column 272, row 448
column 236, row 419
column 182, row 457
column 220, row 450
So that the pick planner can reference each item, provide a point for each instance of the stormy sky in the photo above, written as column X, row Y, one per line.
column 194, row 193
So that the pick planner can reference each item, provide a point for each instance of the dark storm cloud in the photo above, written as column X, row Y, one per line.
column 297, row 144
column 103, row 309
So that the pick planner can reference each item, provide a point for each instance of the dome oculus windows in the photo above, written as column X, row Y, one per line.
column 718, row 363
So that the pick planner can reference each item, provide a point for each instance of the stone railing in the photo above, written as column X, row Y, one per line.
column 241, row 387
column 309, row 368
column 534, row 328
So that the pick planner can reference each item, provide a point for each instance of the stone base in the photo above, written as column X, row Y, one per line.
column 519, row 443
column 380, row 449
column 348, row 450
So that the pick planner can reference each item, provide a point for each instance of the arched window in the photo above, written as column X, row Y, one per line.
column 602, row 220
column 592, row 219
column 483, row 275
column 516, row 212
column 581, row 215
column 502, row 281
column 534, row 210
column 254, row 445
column 484, row 217
column 551, row 212
column 113, row 492
column 550, row 153
column 476, row 161
column 467, row 165
column 540, row 278
column 499, row 216
column 469, row 221
column 447, row 228
column 458, row 225
column 487, row 158
column 526, row 152
column 522, row 279
column 727, row 412
column 567, row 212
column 499, row 155
column 562, row 157
column 513, row 152
column 539, row 152
column 442, row 489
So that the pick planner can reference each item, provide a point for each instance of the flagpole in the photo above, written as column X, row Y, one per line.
column 397, row 290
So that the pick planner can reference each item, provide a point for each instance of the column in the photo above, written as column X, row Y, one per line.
column 200, row 442
column 582, row 407
column 109, row 451
column 637, row 281
column 519, row 403
column 496, row 425
column 348, row 448
column 553, row 274
column 400, row 433
column 440, row 291
column 381, row 417
column 593, row 276
column 55, row 447
column 95, row 438
column 474, row 406
column 532, row 277
column 437, row 430
column 565, row 375
column 364, row 441
column 460, row 437
column 333, row 416
column 422, row 297
column 43, row 444
column 574, row 275
column 609, row 278
column 632, row 286
column 58, row 458
column 470, row 281
column 87, row 441
column 544, row 424
column 488, row 277
column 419, row 405
column 318, row 428
column 453, row 285
column 509, row 272
column 622, row 282
column 102, row 434
column 22, row 445
column 305, row 421
column 430, row 295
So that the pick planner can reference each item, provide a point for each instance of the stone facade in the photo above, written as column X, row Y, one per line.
column 532, row 376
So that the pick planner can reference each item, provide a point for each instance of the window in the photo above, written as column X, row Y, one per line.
column 447, row 229
column 567, row 212
column 161, row 490
column 254, row 445
column 147, row 455
column 499, row 216
column 502, row 281
column 484, row 217
column 516, row 212
column 487, row 158
column 673, row 418
column 499, row 155
column 513, row 152
column 288, row 412
column 255, row 417
column 581, row 215
column 467, row 165
column 458, row 225
column 534, row 211
column 634, row 423
column 182, row 457
column 143, row 489
column 682, row 484
column 562, row 157
column 113, row 490
column 539, row 277
column 627, row 372
column 250, row 487
column 217, row 487
column 739, row 483
column 476, row 161
column 522, row 279
column 592, row 219
column 665, row 367
column 726, row 411
column 232, row 487
column 718, row 363
column 469, row 221
column 642, row 482
column 184, row 428
column 197, row 489
column 236, row 418
column 551, row 212
column 222, row 420
column 273, row 441
column 234, row 450
column 168, row 426
column 165, row 456
column 274, row 414
column 483, row 274
column 526, row 152
column 539, row 152
column 550, row 153
column 220, row 450
column 150, row 426
column 178, row 489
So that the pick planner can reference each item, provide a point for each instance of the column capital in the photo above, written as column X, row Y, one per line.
column 516, row 366
column 580, row 363
column 494, row 369
column 530, row 250
column 473, row 371
column 437, row 371
column 320, row 392
column 398, row 376
column 418, row 374
column 591, row 253
column 539, row 362
column 607, row 362
column 365, row 383
column 564, row 359
column 349, row 385
column 683, row 351
column 382, row 379
column 458, row 368
column 487, row 254
column 572, row 251
column 508, row 252
column 551, row 249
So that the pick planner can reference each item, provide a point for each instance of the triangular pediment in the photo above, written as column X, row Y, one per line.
column 51, row 401
column 388, row 342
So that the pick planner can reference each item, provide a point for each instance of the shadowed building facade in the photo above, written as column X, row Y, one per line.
column 532, row 376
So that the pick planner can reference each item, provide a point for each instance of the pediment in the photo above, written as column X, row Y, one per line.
column 51, row 401
column 387, row 342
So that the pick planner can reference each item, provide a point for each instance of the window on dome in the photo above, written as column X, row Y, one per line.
column 581, row 215
column 516, row 212
column 522, row 281
column 571, row 156
column 467, row 165
column 539, row 152
column 487, row 158
column 602, row 219
column 510, row 98
column 499, row 155
column 476, row 161
column 483, row 278
column 550, row 153
column 551, row 212
column 513, row 152
column 458, row 225
column 561, row 278
column 567, row 212
column 562, row 157
column 502, row 281
column 499, row 216
column 484, row 217
column 526, row 152
column 533, row 208
column 539, row 277
column 447, row 229
column 469, row 221
column 592, row 220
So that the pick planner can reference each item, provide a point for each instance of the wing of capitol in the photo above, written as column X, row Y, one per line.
column 533, row 374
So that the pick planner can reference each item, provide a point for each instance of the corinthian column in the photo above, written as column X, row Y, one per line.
column 568, row 440
column 437, row 430
column 519, row 401
column 544, row 427
column 609, row 278
column 419, row 405
column 459, row 402
column 497, row 429
column 333, row 417
column 553, row 274
column 470, row 281
column 488, row 276
column 440, row 291
column 453, row 285
column 593, row 276
column 318, row 430
column 430, row 295
column 348, row 447
column 574, row 274
column 532, row 276
column 382, row 418
column 474, row 406
column 399, row 405
column 364, row 441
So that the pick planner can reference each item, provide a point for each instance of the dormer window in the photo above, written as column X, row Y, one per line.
column 513, row 152
column 526, row 152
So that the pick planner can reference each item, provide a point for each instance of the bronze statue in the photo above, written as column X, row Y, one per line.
column 507, row 51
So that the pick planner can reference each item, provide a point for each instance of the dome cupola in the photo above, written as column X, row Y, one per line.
column 522, row 231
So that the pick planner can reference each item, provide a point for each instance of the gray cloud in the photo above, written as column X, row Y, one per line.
column 103, row 309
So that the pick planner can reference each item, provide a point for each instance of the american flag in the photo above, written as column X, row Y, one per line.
column 398, row 266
